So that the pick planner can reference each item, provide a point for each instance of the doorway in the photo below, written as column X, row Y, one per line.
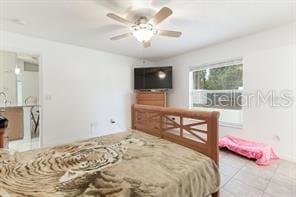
column 19, row 99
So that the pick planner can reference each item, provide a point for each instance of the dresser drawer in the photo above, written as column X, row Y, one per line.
column 151, row 96
column 152, row 102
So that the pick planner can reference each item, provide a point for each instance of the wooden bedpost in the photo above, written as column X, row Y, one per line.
column 213, row 127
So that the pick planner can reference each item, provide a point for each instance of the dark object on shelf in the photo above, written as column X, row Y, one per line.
column 3, row 135
column 3, row 122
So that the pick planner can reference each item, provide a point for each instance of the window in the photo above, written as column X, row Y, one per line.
column 219, row 87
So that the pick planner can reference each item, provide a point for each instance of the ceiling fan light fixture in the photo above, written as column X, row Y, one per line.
column 144, row 32
column 143, row 29
column 143, row 35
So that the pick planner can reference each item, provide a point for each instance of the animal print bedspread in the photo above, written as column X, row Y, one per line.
column 130, row 164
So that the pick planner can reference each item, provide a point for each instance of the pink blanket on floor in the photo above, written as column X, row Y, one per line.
column 261, row 152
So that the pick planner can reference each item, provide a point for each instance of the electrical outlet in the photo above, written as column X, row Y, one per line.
column 277, row 138
column 48, row 97
column 93, row 128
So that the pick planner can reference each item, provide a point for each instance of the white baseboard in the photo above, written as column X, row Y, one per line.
column 288, row 158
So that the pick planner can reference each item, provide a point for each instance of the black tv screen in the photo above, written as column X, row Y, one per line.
column 153, row 78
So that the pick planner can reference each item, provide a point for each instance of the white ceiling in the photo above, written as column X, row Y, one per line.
column 84, row 22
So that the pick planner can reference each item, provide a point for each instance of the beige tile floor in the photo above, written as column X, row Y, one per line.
column 241, row 177
column 24, row 144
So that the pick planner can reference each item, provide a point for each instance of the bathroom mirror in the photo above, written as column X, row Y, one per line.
column 19, row 78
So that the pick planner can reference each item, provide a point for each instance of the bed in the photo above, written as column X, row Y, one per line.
column 168, row 152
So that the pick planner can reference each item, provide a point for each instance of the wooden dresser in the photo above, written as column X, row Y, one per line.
column 151, row 98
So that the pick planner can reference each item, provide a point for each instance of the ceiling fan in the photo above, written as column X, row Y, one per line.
column 143, row 29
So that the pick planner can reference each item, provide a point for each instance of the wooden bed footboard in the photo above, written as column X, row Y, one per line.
column 194, row 129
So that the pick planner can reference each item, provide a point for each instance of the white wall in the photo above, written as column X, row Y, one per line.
column 82, row 89
column 269, row 63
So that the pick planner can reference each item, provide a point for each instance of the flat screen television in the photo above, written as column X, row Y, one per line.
column 153, row 78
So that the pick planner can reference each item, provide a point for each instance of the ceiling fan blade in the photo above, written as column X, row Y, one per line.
column 121, row 36
column 119, row 19
column 162, row 14
column 175, row 34
column 146, row 44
